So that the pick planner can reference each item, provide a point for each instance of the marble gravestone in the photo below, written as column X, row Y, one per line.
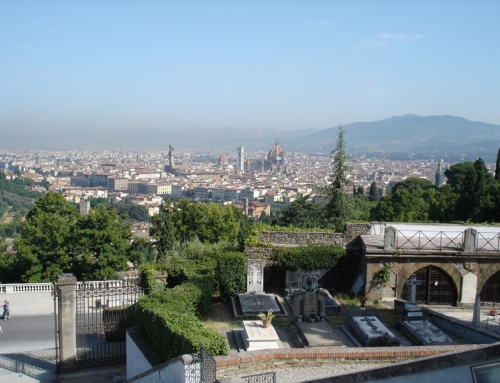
column 255, row 276
column 371, row 332
column 424, row 333
column 256, row 300
column 256, row 337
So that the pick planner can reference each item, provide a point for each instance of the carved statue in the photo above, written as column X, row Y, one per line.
column 309, row 283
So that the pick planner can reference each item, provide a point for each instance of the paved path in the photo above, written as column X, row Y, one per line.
column 22, row 333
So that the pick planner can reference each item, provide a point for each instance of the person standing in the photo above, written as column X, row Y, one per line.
column 6, row 310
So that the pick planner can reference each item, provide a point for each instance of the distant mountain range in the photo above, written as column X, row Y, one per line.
column 402, row 134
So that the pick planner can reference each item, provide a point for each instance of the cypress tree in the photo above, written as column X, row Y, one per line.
column 373, row 196
column 340, row 208
column 497, row 167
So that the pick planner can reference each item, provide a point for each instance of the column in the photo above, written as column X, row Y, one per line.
column 66, row 284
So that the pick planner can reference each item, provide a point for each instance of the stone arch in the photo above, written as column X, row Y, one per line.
column 486, row 273
column 411, row 268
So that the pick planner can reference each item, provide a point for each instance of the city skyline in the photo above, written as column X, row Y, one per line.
column 72, row 66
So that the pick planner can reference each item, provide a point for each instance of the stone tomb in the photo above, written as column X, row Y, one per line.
column 371, row 332
column 423, row 332
column 258, row 303
column 256, row 337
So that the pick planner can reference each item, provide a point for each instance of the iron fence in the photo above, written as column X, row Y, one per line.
column 490, row 295
column 421, row 240
column 208, row 366
column 488, row 244
column 192, row 372
column 266, row 377
column 103, row 312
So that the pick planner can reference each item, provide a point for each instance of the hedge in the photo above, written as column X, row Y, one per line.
column 231, row 274
column 308, row 257
column 170, row 319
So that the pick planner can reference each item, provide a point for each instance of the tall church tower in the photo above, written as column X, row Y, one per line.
column 241, row 159
column 439, row 180
column 171, row 161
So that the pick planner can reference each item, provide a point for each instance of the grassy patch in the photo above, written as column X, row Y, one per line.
column 348, row 300
column 222, row 318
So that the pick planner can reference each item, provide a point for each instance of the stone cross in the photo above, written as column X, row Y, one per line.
column 369, row 322
column 413, row 283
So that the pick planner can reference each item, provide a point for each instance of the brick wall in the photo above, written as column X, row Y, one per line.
column 245, row 363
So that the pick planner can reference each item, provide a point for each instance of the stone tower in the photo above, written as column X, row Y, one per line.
column 241, row 159
column 84, row 206
column 439, row 180
column 171, row 160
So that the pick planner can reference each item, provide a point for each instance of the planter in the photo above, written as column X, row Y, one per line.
column 266, row 323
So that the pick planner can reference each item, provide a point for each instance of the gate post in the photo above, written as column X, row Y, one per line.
column 66, row 283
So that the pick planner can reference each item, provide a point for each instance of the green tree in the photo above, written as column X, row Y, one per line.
column 340, row 208
column 497, row 167
column 373, row 195
column 413, row 184
column 45, row 248
column 302, row 213
column 456, row 174
column 473, row 199
column 102, row 245
column 163, row 230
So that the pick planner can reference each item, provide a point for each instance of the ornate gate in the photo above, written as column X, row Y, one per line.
column 104, row 310
column 436, row 287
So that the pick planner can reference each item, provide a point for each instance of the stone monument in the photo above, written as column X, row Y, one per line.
column 255, row 300
column 371, row 332
column 309, row 300
column 418, row 329
column 255, row 276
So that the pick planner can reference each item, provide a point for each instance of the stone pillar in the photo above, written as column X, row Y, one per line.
column 390, row 238
column 470, row 239
column 469, row 289
column 66, row 284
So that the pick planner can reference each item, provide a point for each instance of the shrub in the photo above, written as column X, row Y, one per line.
column 231, row 274
column 308, row 257
column 147, row 278
column 170, row 319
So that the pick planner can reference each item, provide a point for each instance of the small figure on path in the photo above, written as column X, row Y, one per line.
column 6, row 310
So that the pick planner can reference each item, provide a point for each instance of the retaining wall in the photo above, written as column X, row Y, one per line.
column 244, row 363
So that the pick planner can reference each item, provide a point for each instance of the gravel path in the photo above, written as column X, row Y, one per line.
column 302, row 374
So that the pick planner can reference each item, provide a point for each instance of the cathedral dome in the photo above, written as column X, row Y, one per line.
column 223, row 160
column 276, row 152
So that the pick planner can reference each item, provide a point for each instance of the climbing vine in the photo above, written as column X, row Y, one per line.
column 384, row 276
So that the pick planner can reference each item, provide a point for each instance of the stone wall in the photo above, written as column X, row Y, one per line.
column 252, row 362
column 259, row 252
column 304, row 238
column 354, row 230
column 300, row 238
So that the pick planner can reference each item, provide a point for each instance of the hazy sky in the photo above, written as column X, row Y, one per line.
column 278, row 64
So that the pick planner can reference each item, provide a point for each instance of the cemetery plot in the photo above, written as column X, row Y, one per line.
column 423, row 332
column 371, row 332
column 256, row 337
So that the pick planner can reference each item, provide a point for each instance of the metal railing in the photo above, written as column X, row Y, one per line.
column 421, row 240
column 488, row 243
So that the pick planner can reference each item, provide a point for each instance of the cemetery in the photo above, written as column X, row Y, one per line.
column 309, row 322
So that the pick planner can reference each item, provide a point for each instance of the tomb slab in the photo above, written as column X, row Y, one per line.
column 256, row 337
column 425, row 333
column 371, row 332
column 255, row 303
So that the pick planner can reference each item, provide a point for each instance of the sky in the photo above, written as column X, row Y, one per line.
column 283, row 65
